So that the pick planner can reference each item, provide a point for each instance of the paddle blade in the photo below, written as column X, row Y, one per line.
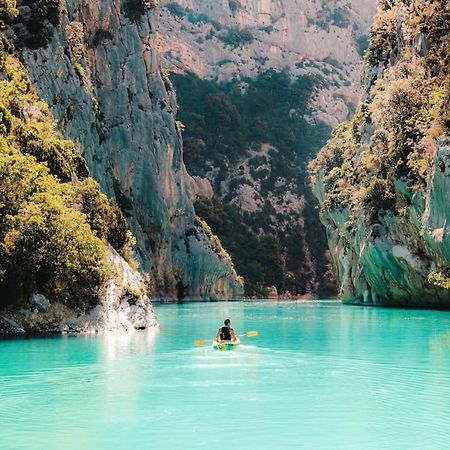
column 200, row 342
column 251, row 333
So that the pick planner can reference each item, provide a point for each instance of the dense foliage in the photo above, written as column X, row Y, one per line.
column 8, row 11
column 225, row 124
column 195, row 18
column 38, row 18
column 392, row 137
column 135, row 9
column 54, row 221
column 408, row 113
column 226, row 121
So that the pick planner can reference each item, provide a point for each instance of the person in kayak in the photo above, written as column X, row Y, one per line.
column 226, row 333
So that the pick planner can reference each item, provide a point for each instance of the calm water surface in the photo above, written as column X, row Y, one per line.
column 319, row 375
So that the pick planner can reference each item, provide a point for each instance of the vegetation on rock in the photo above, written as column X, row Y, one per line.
column 226, row 126
column 54, row 221
column 192, row 17
column 407, row 114
column 376, row 169
column 8, row 11
column 135, row 9
column 217, row 247
column 35, row 23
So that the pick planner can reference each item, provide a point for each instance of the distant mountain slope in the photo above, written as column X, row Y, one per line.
column 259, row 85
column 222, row 40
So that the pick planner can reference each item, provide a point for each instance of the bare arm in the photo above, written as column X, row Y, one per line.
column 218, row 335
column 233, row 336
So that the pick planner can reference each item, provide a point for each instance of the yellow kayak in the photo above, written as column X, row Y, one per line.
column 227, row 345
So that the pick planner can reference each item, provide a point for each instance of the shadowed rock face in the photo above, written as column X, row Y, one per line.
column 102, row 81
column 383, row 180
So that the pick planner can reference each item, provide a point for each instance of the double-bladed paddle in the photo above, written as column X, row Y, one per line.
column 248, row 334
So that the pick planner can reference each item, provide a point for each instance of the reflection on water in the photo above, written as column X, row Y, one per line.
column 122, row 345
column 318, row 375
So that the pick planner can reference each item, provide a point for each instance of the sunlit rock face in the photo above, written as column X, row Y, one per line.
column 265, row 187
column 239, row 38
column 123, row 307
column 101, row 77
column 383, row 180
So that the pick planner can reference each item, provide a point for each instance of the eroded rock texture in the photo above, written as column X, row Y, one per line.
column 383, row 180
column 99, row 73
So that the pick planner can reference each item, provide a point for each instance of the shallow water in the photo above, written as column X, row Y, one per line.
column 319, row 375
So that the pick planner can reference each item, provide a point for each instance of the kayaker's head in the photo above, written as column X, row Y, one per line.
column 227, row 322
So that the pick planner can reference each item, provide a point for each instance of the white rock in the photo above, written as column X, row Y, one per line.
column 39, row 302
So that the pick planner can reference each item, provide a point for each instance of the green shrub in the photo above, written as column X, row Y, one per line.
column 8, row 12
column 102, row 36
column 362, row 43
column 50, row 10
column 54, row 221
column 439, row 279
column 235, row 37
column 55, row 152
column 45, row 245
column 341, row 17
column 195, row 18
column 104, row 216
column 134, row 10
column 176, row 10
column 5, row 120
column 43, row 13
column 380, row 194
column 75, row 38
column 234, row 5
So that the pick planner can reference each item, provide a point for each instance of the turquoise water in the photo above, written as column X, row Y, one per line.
column 319, row 375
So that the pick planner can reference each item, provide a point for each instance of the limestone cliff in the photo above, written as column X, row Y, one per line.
column 228, row 39
column 259, row 84
column 98, row 71
column 383, row 179
column 123, row 307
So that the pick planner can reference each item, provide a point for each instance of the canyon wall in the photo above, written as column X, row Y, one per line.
column 100, row 75
column 260, row 84
column 383, row 178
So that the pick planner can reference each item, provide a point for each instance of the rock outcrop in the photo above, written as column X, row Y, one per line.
column 124, row 307
column 383, row 180
column 100, row 75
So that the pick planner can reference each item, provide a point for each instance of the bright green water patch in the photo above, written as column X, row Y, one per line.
column 319, row 375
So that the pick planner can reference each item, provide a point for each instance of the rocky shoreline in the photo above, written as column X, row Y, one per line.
column 128, row 316
column 124, row 307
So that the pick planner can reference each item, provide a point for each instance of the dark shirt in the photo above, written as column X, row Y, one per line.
column 225, row 333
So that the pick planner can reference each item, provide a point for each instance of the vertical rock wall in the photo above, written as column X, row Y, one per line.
column 383, row 179
column 105, row 89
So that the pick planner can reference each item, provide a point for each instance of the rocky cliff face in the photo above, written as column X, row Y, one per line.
column 100, row 75
column 123, row 307
column 240, row 38
column 259, row 86
column 383, row 179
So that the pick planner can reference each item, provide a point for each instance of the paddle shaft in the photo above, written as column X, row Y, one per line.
column 248, row 334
